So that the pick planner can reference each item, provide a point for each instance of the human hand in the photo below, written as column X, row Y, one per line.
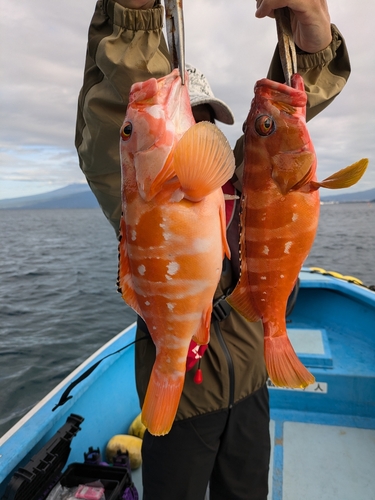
column 137, row 4
column 310, row 21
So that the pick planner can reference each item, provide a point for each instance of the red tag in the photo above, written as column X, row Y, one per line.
column 195, row 353
column 198, row 377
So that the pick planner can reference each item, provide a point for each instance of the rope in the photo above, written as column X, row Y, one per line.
column 334, row 274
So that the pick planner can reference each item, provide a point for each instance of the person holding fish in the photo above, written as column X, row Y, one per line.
column 213, row 431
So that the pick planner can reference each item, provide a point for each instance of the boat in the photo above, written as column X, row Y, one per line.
column 323, row 437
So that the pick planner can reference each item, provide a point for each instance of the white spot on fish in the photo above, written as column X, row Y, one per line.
column 154, row 327
column 266, row 250
column 287, row 246
column 263, row 277
column 294, row 217
column 147, row 303
column 170, row 306
column 166, row 236
column 262, row 300
column 173, row 267
column 168, row 277
column 134, row 235
column 141, row 270
column 282, row 276
column 200, row 245
column 154, row 111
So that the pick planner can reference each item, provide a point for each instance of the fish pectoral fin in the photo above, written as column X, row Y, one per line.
column 291, row 170
column 203, row 160
column 345, row 177
column 125, row 282
column 240, row 301
column 283, row 366
column 150, row 183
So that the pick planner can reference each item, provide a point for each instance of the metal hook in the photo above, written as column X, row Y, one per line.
column 175, row 34
column 287, row 48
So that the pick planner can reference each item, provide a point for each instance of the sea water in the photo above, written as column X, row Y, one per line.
column 58, row 297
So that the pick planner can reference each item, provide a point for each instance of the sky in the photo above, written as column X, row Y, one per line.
column 42, row 52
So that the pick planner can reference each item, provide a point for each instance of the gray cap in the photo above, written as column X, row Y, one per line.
column 200, row 93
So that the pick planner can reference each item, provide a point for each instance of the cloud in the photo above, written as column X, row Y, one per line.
column 42, row 70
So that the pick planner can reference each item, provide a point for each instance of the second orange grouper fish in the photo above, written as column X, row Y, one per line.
column 173, row 237
column 279, row 219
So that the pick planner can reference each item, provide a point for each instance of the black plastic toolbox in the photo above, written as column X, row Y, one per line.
column 114, row 479
column 35, row 480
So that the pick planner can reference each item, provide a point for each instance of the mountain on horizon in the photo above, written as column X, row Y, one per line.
column 360, row 196
column 71, row 196
column 81, row 196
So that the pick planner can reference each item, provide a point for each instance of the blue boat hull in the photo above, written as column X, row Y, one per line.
column 332, row 325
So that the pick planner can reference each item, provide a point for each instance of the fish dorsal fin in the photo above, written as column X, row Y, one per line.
column 125, row 282
column 203, row 160
column 345, row 177
column 289, row 170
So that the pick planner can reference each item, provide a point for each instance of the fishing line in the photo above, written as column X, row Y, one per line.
column 66, row 394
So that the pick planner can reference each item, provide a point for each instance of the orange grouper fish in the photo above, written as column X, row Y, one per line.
column 173, row 237
column 279, row 219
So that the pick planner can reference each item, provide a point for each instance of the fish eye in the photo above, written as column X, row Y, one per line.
column 126, row 131
column 265, row 125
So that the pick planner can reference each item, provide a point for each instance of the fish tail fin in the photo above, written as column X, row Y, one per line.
column 283, row 366
column 345, row 177
column 161, row 402
column 240, row 301
column 203, row 160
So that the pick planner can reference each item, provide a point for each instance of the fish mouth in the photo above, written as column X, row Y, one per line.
column 280, row 92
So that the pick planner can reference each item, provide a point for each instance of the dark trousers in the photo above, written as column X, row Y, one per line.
column 230, row 449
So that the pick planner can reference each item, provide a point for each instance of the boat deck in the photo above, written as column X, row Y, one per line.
column 306, row 456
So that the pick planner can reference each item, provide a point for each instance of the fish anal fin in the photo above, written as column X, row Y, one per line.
column 282, row 363
column 203, row 160
column 240, row 301
column 125, row 282
column 345, row 177
column 289, row 170
column 202, row 335
column 161, row 402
